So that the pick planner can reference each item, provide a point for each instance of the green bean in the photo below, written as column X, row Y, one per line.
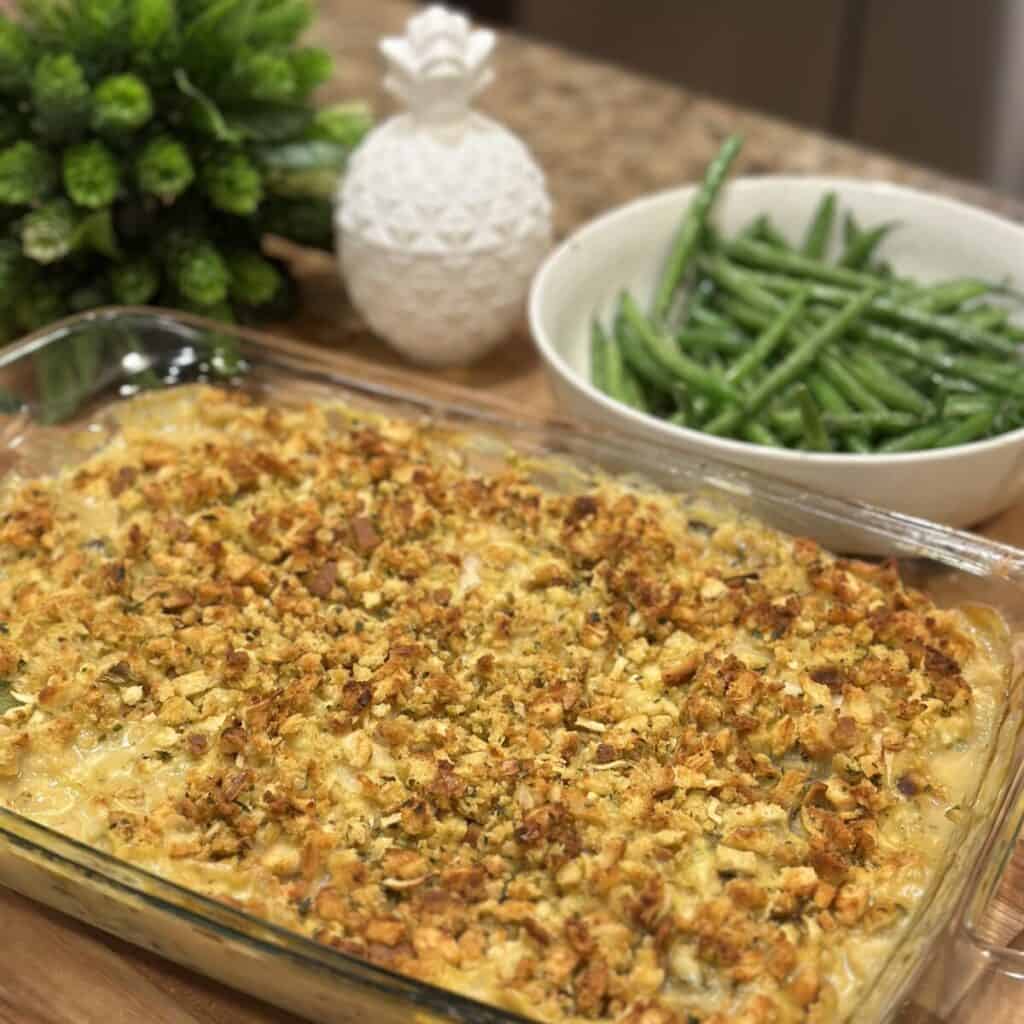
column 949, row 385
column 917, row 374
column 664, row 353
column 831, row 400
column 750, row 229
column 958, row 406
column 837, row 374
column 599, row 344
column 826, row 394
column 953, row 329
column 883, row 309
column 771, row 337
column 759, row 433
column 711, row 339
column 806, row 351
column 992, row 375
column 859, row 422
column 701, row 406
column 819, row 231
column 743, row 285
column 748, row 251
column 724, row 422
column 765, row 231
column 632, row 390
column 814, row 430
column 903, row 344
column 634, row 352
column 892, row 390
column 949, row 295
column 705, row 316
column 988, row 318
column 926, row 436
column 767, row 341
column 745, row 315
column 859, row 250
column 851, row 229
column 849, row 386
column 970, row 429
column 622, row 383
column 685, row 246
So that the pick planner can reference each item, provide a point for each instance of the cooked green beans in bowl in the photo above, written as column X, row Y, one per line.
column 856, row 337
column 815, row 346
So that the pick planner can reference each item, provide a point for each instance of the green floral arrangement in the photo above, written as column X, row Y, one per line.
column 147, row 148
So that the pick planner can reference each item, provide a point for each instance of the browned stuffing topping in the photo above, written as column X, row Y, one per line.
column 594, row 757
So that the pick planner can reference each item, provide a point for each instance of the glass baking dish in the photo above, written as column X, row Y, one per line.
column 956, row 955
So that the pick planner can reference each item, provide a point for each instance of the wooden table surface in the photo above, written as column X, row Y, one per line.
column 603, row 136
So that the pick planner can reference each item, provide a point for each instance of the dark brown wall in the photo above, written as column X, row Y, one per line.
column 916, row 78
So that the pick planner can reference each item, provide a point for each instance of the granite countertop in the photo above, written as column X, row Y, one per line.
column 603, row 136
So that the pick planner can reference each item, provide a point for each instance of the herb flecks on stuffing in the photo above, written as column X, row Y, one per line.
column 594, row 757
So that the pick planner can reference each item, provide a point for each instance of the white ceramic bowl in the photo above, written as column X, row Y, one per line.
column 938, row 238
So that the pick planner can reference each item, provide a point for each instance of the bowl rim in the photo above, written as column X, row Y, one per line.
column 553, row 358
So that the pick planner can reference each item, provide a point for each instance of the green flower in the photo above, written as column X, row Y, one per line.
column 254, row 280
column 60, row 96
column 92, row 176
column 27, row 173
column 311, row 67
column 164, row 168
column 48, row 233
column 121, row 104
column 134, row 283
column 198, row 273
column 345, row 124
column 15, row 57
column 260, row 77
column 232, row 182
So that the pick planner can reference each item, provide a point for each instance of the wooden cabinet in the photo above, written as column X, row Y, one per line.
column 923, row 79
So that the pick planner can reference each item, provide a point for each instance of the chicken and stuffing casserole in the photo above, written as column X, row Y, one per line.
column 603, row 756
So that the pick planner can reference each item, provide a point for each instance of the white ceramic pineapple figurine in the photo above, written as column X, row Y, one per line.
column 443, row 214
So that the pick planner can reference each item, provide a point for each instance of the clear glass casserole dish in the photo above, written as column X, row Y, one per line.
column 56, row 386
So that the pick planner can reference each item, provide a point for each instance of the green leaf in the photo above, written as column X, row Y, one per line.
column 101, row 30
column 96, row 232
column 152, row 24
column 346, row 124
column 215, row 35
column 279, row 22
column 48, row 233
column 312, row 66
column 206, row 116
column 49, row 20
column 314, row 154
column 16, row 52
column 309, row 168
column 268, row 122
column 308, row 221
column 28, row 173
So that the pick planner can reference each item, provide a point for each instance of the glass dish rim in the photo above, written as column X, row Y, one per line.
column 956, row 549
